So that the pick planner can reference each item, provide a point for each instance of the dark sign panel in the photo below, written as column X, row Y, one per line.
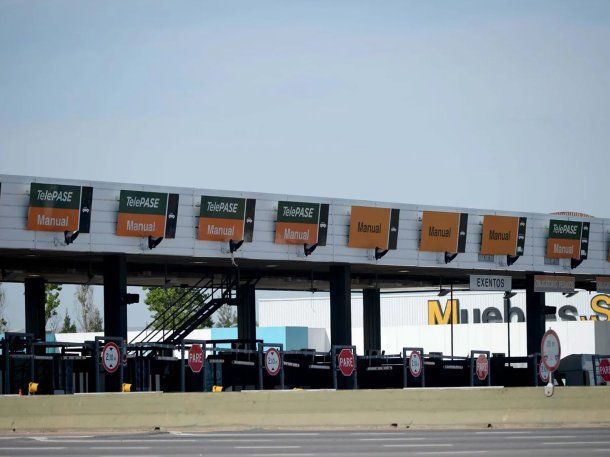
column 568, row 240
column 226, row 218
column 147, row 214
column 59, row 208
column 372, row 227
column 301, row 223
column 503, row 235
column 444, row 232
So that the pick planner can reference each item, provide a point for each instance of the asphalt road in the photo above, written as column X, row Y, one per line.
column 538, row 442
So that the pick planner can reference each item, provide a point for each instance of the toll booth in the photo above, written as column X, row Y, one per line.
column 39, row 367
column 442, row 371
column 514, row 371
column 308, row 369
column 16, row 362
column 233, row 365
column 152, row 367
column 581, row 370
column 381, row 371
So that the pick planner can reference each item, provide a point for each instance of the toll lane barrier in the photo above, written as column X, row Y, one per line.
column 582, row 406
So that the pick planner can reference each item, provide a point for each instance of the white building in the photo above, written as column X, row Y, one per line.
column 408, row 320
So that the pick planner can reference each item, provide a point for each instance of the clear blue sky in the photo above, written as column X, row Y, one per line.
column 492, row 104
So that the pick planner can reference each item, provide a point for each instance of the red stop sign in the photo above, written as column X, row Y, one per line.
column 604, row 369
column 195, row 358
column 482, row 367
column 347, row 362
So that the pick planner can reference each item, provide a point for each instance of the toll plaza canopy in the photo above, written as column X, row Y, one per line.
column 62, row 229
column 230, row 243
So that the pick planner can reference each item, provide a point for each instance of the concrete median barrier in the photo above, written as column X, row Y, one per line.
column 418, row 408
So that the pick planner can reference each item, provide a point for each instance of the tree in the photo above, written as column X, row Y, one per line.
column 3, row 322
column 226, row 316
column 68, row 326
column 160, row 299
column 89, row 317
column 51, row 305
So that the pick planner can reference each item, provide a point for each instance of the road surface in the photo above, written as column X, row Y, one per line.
column 387, row 443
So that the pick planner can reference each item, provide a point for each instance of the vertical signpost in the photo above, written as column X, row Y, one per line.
column 195, row 358
column 344, row 362
column 480, row 368
column 550, row 353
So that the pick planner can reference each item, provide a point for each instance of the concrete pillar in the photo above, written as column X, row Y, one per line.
column 371, row 320
column 535, row 316
column 35, row 299
column 340, row 305
column 115, row 290
column 246, row 312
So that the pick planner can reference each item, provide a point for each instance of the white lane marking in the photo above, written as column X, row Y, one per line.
column 58, row 437
column 228, row 435
column 601, row 450
column 281, row 455
column 450, row 452
column 39, row 448
column 418, row 445
column 393, row 439
column 126, row 440
column 563, row 443
column 540, row 437
column 266, row 447
column 236, row 440
column 502, row 433
column 119, row 448
column 397, row 432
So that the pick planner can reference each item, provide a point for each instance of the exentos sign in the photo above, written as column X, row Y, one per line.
column 503, row 235
column 226, row 218
column 568, row 240
column 444, row 232
column 59, row 208
column 147, row 214
column 489, row 282
column 301, row 223
column 372, row 228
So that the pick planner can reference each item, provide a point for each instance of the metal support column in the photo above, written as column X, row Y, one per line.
column 340, row 306
column 246, row 312
column 535, row 317
column 371, row 320
column 35, row 298
column 115, row 290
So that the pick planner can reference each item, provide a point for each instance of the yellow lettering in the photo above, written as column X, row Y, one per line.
column 436, row 315
column 601, row 305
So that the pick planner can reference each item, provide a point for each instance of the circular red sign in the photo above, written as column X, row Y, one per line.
column 482, row 367
column 111, row 357
column 415, row 364
column 196, row 358
column 273, row 361
column 347, row 362
column 604, row 369
column 550, row 350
